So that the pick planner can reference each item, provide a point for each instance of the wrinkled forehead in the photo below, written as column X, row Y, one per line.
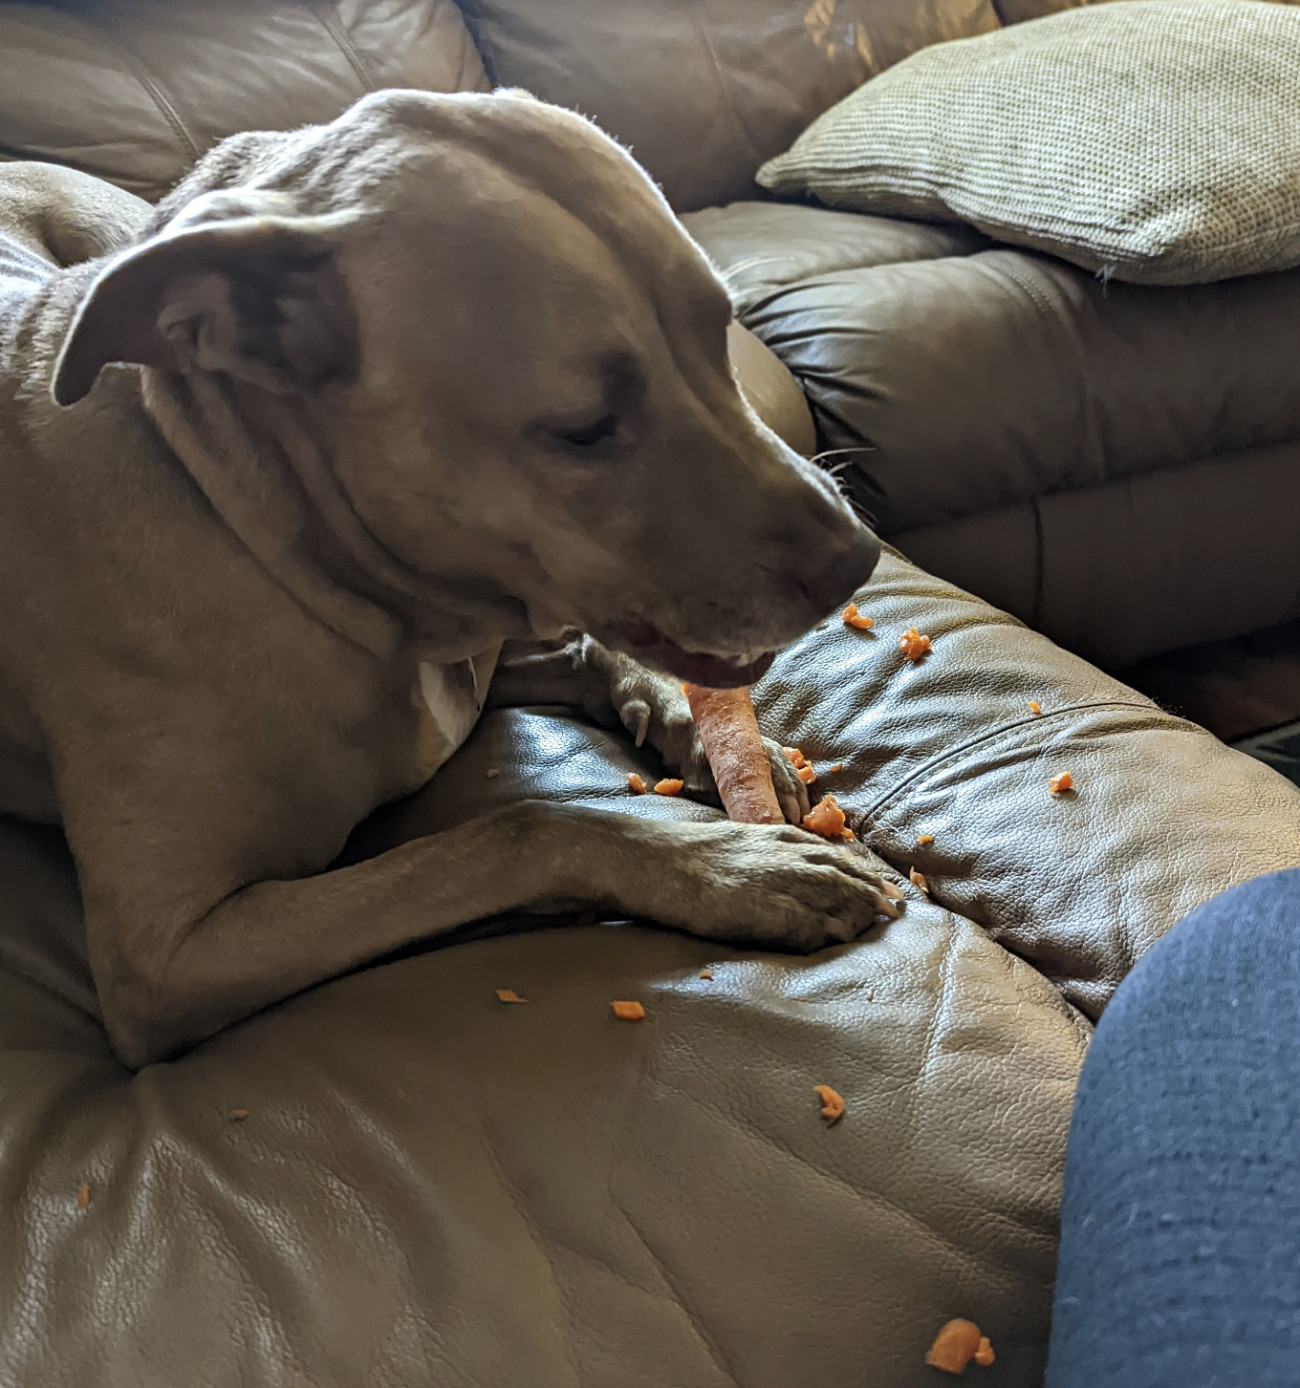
column 511, row 202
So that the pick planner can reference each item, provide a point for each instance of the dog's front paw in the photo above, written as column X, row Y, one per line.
column 775, row 886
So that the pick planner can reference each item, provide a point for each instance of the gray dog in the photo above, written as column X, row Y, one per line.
column 384, row 394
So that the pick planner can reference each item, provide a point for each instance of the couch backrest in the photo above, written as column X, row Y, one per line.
column 705, row 90
column 135, row 90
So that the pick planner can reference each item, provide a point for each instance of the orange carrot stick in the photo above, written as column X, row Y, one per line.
column 734, row 746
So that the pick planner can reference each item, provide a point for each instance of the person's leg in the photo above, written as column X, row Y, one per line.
column 1180, row 1225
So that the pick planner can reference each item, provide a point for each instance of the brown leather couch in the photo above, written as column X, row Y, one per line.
column 395, row 1180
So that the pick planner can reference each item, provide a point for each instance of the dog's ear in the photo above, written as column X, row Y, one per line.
column 257, row 297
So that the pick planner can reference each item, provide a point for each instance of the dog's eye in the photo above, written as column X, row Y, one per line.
column 603, row 428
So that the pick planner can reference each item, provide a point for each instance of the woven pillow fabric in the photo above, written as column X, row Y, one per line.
column 1156, row 141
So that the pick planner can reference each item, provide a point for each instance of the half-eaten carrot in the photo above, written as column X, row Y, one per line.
column 734, row 748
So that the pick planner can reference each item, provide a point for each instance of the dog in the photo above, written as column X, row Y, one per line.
column 287, row 460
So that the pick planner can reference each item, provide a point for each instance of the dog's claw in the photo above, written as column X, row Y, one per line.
column 636, row 719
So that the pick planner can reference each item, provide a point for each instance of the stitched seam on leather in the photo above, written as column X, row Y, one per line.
column 517, row 1199
column 160, row 98
column 1036, row 720
column 705, row 1339
column 1036, row 609
column 329, row 21
column 723, row 86
column 1065, row 332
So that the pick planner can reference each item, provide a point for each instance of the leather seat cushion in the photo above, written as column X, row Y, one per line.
column 980, row 376
column 431, row 1186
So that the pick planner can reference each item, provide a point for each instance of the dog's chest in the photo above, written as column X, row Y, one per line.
column 448, row 700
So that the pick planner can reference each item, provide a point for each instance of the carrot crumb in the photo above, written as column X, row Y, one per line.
column 1035, row 706
column 839, row 766
column 984, row 1356
column 832, row 1104
column 825, row 818
column 923, row 839
column 913, row 644
column 917, row 879
column 807, row 775
column 668, row 786
column 795, row 757
column 628, row 1011
column 847, row 833
column 635, row 784
column 83, row 1196
column 509, row 995
column 956, row 1344
column 239, row 1114
column 706, row 973
column 1058, row 785
column 851, row 617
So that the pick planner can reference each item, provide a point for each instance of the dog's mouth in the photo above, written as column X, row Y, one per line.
column 650, row 646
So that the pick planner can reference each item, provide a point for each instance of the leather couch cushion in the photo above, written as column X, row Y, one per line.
column 704, row 92
column 964, row 380
column 430, row 1187
column 135, row 90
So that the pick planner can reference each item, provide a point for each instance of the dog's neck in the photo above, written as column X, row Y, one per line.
column 267, row 473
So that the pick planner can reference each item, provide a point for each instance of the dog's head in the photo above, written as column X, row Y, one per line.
column 517, row 362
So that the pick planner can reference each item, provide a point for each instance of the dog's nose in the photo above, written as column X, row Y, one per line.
column 838, row 576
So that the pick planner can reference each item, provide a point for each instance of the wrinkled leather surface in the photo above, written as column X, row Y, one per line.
column 987, row 395
column 135, row 90
column 430, row 1187
column 706, row 91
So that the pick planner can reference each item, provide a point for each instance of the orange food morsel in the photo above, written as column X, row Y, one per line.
column 706, row 973
column 509, row 995
column 832, row 1104
column 847, row 833
column 83, row 1196
column 668, row 786
column 839, row 766
column 628, row 1011
column 736, row 755
column 1059, row 784
column 1035, row 706
column 954, row 1347
column 825, row 818
column 913, row 644
column 635, row 784
column 917, row 879
column 807, row 775
column 794, row 756
column 851, row 617
column 923, row 839
column 239, row 1114
column 984, row 1356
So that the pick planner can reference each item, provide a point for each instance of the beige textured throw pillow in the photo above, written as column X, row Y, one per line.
column 1157, row 141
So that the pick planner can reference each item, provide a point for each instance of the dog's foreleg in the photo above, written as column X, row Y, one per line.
column 164, row 984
